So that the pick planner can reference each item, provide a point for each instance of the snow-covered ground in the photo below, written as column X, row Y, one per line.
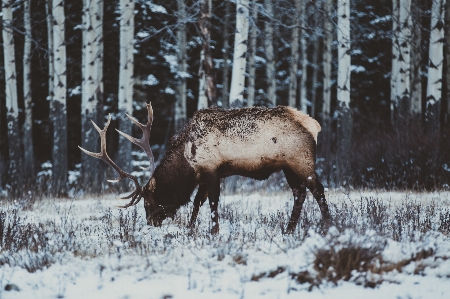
column 389, row 244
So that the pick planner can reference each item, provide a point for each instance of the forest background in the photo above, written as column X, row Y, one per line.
column 374, row 73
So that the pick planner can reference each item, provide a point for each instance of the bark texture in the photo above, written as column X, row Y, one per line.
column 27, row 129
column 180, row 105
column 207, row 90
column 239, row 56
column 59, row 114
column 435, row 64
column 15, row 171
column 251, row 55
column 344, row 119
column 126, row 82
column 294, row 55
column 270, row 56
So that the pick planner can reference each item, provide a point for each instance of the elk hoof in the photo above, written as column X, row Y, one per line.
column 215, row 230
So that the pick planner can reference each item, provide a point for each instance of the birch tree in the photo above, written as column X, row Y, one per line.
column 180, row 105
column 91, row 91
column 226, row 56
column 51, row 67
column 344, row 129
column 59, row 114
column 126, row 80
column 207, row 90
column 404, row 61
column 252, row 54
column 447, row 59
column 270, row 56
column 239, row 55
column 12, row 108
column 27, row 129
column 395, row 59
column 294, row 55
column 435, row 63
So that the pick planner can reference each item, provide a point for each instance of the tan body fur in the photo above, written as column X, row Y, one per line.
column 272, row 141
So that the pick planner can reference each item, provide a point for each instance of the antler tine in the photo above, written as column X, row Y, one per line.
column 103, row 155
column 144, row 142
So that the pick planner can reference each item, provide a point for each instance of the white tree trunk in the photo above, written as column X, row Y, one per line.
column 126, row 80
column 344, row 121
column 180, row 105
column 252, row 54
column 304, row 63
column 344, row 60
column 88, row 98
column 294, row 56
column 404, row 60
column 28, row 101
column 12, row 107
column 59, row 118
column 447, row 58
column 435, row 63
column 395, row 58
column 98, row 26
column 239, row 55
column 315, row 76
column 226, row 56
column 51, row 67
column 270, row 56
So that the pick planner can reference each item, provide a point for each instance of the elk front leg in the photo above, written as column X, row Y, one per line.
column 200, row 198
column 213, row 186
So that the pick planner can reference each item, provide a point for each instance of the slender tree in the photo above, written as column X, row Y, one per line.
column 270, row 56
column 327, row 59
column 207, row 90
column 51, row 67
column 435, row 64
column 59, row 112
column 304, row 61
column 91, row 89
column 416, row 60
column 27, row 129
column 447, row 59
column 344, row 129
column 403, row 88
column 226, row 57
column 251, row 54
column 180, row 105
column 126, row 80
column 395, row 58
column 15, row 170
column 293, row 79
column 239, row 56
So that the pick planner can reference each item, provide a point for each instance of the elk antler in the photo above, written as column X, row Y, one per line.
column 143, row 143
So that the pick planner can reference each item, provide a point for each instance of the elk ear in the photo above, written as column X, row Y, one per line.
column 152, row 184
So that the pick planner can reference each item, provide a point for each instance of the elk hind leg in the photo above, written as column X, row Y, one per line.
column 318, row 192
column 200, row 198
column 299, row 191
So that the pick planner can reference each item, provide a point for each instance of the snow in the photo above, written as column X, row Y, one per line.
column 249, row 258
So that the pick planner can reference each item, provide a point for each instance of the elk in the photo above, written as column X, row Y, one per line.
column 216, row 143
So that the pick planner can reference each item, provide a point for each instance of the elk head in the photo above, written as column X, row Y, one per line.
column 154, row 213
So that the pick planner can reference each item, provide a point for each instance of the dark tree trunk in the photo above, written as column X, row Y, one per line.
column 59, row 117
column 15, row 174
column 90, row 140
column 344, row 139
column 124, row 156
